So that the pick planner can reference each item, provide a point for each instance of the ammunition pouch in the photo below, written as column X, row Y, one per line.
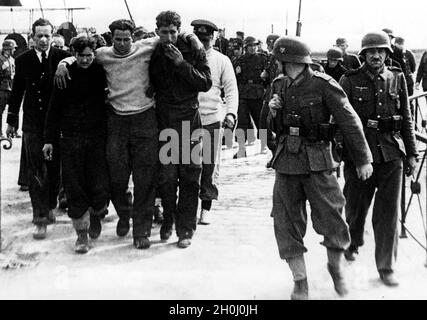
column 388, row 124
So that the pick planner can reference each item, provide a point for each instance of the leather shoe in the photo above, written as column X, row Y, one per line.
column 24, row 188
column 141, row 243
column 184, row 243
column 123, row 227
column 300, row 290
column 95, row 226
column 40, row 232
column 388, row 278
column 165, row 232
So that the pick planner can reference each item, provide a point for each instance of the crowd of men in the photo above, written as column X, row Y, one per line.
column 155, row 108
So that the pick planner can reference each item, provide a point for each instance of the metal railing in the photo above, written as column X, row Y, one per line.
column 415, row 185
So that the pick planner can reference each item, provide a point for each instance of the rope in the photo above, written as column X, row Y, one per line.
column 413, row 237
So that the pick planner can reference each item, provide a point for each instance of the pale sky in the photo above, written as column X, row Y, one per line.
column 322, row 20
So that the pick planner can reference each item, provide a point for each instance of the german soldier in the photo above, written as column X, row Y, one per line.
column 7, row 72
column 334, row 66
column 249, row 68
column 350, row 61
column 379, row 95
column 301, row 107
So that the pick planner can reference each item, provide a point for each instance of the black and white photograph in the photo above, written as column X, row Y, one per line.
column 214, row 155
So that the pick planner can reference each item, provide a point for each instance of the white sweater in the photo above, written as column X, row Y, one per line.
column 210, row 103
column 128, row 76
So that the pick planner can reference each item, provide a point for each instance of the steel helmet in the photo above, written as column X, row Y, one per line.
column 249, row 41
column 335, row 53
column 9, row 44
column 272, row 38
column 290, row 49
column 378, row 39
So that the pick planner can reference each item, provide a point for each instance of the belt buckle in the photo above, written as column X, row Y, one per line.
column 294, row 131
column 373, row 124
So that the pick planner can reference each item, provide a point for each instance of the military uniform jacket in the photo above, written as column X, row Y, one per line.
column 382, row 96
column 36, row 83
column 249, row 80
column 7, row 72
column 315, row 97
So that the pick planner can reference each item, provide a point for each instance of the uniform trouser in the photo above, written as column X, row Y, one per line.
column 23, row 168
column 248, row 108
column 4, row 97
column 43, row 177
column 387, row 181
column 132, row 148
column 211, row 162
column 84, row 174
column 290, row 219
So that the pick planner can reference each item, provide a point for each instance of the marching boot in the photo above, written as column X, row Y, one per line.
column 334, row 269
column 82, row 229
column 299, row 273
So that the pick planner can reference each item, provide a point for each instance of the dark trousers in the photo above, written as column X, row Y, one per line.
column 290, row 218
column 84, row 174
column 132, row 148
column 248, row 108
column 23, row 168
column 211, row 161
column 43, row 177
column 186, row 179
column 387, row 182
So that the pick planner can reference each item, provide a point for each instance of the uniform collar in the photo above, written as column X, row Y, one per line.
column 372, row 76
column 307, row 73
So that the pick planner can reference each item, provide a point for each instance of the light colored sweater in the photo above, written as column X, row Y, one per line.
column 210, row 103
column 127, row 76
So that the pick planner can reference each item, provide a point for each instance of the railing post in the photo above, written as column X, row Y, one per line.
column 7, row 146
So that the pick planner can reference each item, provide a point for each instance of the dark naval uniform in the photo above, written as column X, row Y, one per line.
column 251, row 89
column 304, row 164
column 33, row 83
column 382, row 104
